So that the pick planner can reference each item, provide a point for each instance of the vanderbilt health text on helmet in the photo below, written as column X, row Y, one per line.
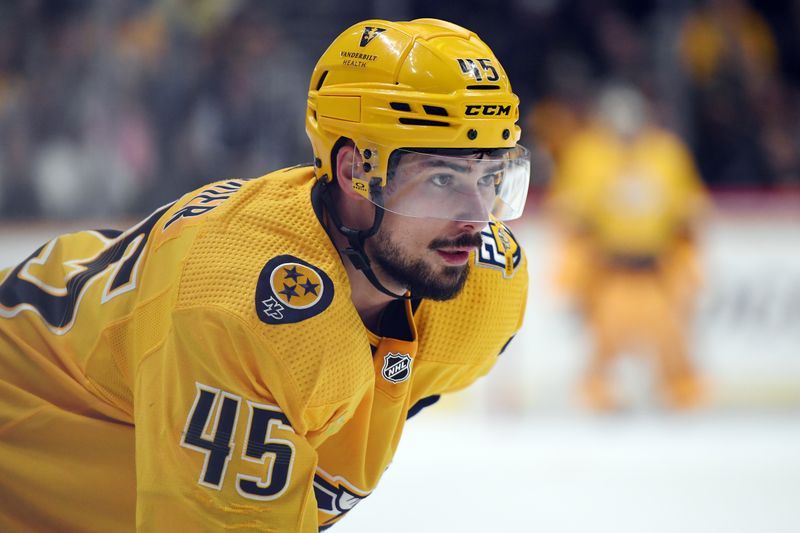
column 429, row 94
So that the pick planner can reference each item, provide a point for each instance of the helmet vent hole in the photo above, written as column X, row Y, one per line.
column 400, row 106
column 435, row 110
column 322, row 79
column 483, row 87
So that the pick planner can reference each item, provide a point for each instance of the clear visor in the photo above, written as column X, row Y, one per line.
column 475, row 186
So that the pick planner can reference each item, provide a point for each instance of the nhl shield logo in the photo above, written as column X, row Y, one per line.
column 396, row 367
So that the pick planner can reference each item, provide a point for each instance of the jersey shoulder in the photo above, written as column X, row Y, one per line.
column 265, row 260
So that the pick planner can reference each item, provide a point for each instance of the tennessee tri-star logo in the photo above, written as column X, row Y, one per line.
column 296, row 285
column 369, row 34
column 290, row 290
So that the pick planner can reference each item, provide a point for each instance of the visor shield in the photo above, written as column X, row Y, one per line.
column 473, row 187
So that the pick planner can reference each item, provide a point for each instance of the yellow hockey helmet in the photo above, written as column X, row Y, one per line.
column 417, row 86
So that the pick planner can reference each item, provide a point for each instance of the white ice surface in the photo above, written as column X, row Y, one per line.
column 706, row 473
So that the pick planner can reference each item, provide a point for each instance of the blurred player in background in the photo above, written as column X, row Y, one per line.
column 627, row 196
column 246, row 357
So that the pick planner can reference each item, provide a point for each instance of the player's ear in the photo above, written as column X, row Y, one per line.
column 347, row 159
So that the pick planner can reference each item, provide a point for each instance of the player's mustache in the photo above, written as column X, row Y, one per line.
column 465, row 239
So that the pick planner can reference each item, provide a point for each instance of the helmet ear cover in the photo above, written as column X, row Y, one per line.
column 375, row 184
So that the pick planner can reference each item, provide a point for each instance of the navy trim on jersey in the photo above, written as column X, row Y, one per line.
column 503, row 349
column 422, row 404
column 393, row 322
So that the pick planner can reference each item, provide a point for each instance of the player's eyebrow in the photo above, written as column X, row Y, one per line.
column 437, row 163
column 454, row 165
column 495, row 168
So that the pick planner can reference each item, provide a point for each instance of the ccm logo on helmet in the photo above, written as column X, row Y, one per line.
column 488, row 110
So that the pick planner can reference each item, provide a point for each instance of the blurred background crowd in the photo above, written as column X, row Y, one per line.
column 110, row 108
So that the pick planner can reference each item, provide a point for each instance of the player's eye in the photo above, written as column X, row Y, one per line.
column 441, row 180
column 489, row 180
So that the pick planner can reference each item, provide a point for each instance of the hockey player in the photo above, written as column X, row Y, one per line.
column 247, row 356
column 630, row 201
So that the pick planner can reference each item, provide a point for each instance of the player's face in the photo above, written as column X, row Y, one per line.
column 429, row 256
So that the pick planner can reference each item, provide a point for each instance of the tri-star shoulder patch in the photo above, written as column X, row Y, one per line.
column 290, row 290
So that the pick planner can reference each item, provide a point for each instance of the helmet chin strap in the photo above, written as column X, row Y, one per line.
column 355, row 238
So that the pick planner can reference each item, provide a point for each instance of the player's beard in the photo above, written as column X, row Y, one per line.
column 415, row 274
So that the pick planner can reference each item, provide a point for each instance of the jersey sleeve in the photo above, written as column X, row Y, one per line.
column 214, row 451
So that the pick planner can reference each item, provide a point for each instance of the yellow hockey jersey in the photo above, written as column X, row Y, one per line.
column 206, row 369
